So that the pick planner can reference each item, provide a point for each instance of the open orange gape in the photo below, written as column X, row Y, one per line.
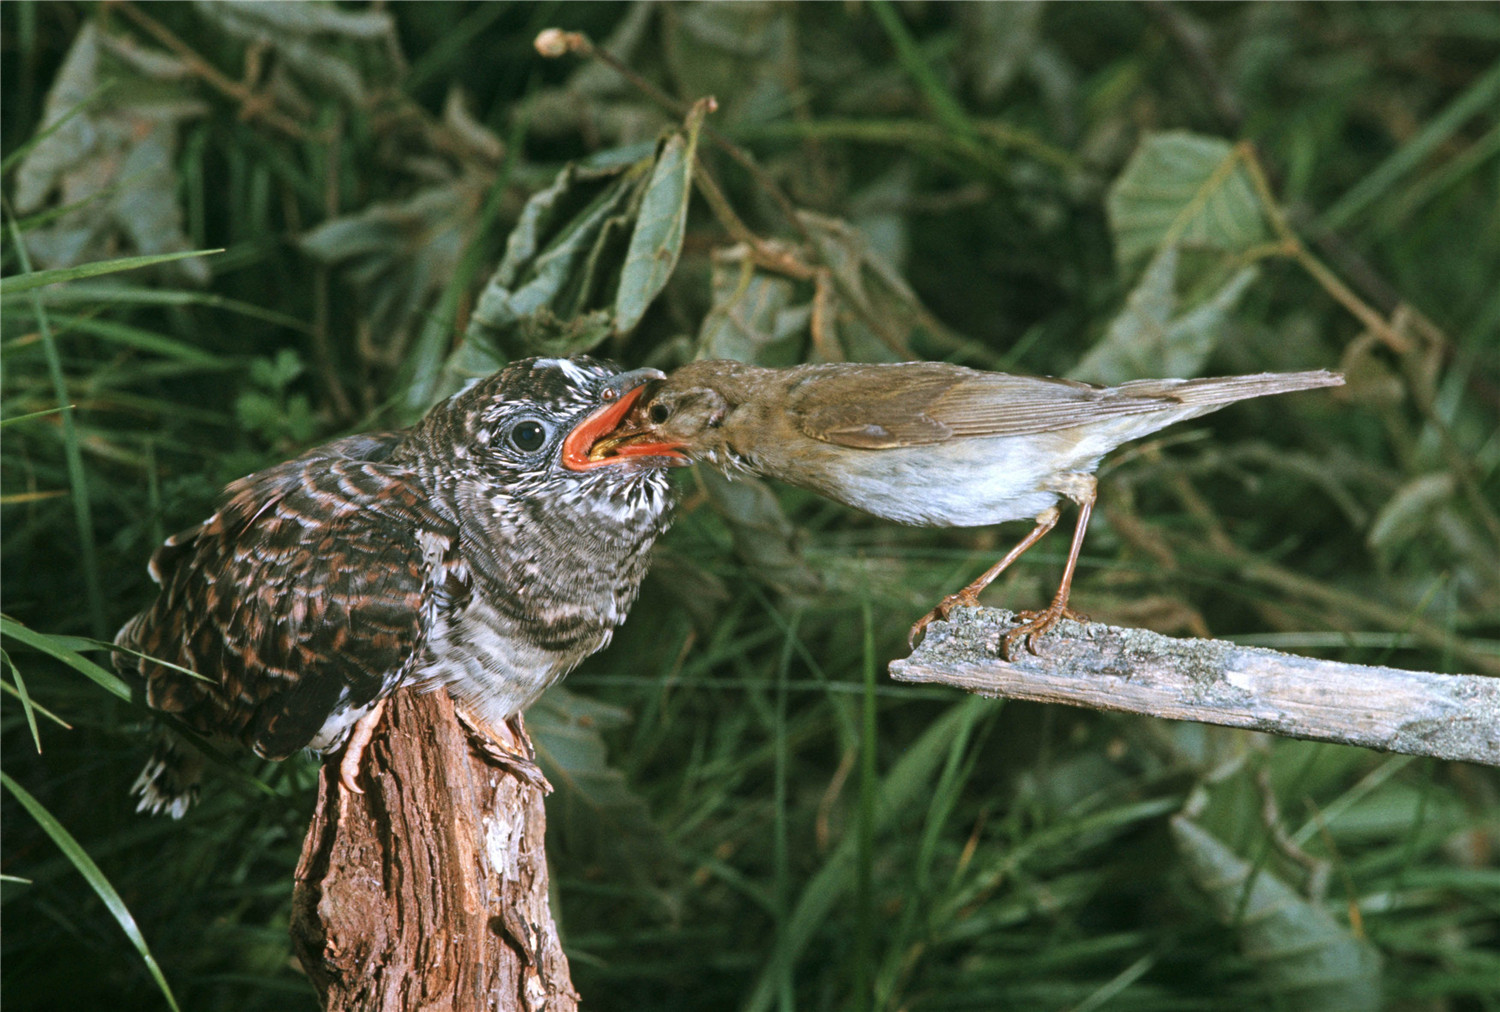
column 594, row 442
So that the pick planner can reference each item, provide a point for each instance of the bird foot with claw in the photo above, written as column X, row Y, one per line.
column 507, row 747
column 962, row 599
column 1032, row 624
column 364, row 730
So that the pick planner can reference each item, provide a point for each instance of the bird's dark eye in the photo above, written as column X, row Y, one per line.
column 660, row 413
column 528, row 436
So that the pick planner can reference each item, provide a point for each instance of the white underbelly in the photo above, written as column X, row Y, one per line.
column 486, row 665
column 976, row 482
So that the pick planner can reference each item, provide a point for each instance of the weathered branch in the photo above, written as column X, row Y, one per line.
column 1216, row 682
column 430, row 889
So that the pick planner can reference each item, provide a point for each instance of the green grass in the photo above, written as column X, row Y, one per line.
column 784, row 826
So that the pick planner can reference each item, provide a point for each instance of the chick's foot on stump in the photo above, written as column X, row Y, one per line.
column 507, row 746
column 364, row 730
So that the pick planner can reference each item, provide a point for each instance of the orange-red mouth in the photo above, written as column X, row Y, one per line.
column 593, row 442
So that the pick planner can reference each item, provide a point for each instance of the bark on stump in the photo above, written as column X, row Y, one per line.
column 428, row 891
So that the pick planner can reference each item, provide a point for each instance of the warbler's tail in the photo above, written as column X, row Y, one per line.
column 1217, row 390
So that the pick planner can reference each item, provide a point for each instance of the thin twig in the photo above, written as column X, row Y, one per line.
column 1192, row 38
column 1297, row 250
column 1247, row 567
column 1216, row 682
column 554, row 42
column 253, row 105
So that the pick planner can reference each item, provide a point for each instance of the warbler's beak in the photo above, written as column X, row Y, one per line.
column 594, row 442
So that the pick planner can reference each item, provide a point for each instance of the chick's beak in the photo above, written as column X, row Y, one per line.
column 594, row 442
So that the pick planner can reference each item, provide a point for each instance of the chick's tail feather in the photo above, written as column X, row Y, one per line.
column 169, row 784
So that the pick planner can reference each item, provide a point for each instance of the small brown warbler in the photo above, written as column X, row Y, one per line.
column 924, row 443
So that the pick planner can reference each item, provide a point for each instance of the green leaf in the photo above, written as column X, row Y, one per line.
column 884, row 314
column 763, row 536
column 122, row 152
column 1307, row 960
column 70, row 135
column 277, row 373
column 593, row 810
column 656, row 242
column 753, row 317
column 48, row 645
column 540, row 299
column 36, row 279
column 295, row 34
column 1187, row 190
column 1151, row 336
column 586, row 258
column 401, row 256
column 95, row 878
column 52, row 127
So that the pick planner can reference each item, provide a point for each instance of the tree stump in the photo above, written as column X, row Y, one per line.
column 428, row 891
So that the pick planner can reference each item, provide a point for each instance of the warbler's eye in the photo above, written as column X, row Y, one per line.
column 659, row 413
column 528, row 436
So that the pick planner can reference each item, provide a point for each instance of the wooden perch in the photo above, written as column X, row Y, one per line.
column 1216, row 682
column 430, row 889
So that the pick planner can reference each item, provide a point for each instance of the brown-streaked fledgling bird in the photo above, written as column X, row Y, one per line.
column 479, row 550
column 925, row 443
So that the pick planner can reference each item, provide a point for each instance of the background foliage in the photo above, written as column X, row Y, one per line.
column 750, row 814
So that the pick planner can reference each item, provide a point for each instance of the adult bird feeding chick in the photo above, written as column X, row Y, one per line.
column 925, row 443
column 477, row 550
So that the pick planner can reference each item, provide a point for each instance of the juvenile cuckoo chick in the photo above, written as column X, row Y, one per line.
column 479, row 550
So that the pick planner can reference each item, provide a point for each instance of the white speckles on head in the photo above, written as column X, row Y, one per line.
column 569, row 368
column 465, row 389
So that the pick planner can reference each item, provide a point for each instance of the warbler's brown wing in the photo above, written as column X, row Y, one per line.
column 305, row 596
column 911, row 404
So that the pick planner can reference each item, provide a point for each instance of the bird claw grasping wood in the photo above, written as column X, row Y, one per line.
column 507, row 746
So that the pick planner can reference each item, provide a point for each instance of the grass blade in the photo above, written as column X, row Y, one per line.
column 35, row 414
column 36, row 279
column 898, row 792
column 111, row 683
column 24, row 697
column 83, row 518
column 95, row 878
